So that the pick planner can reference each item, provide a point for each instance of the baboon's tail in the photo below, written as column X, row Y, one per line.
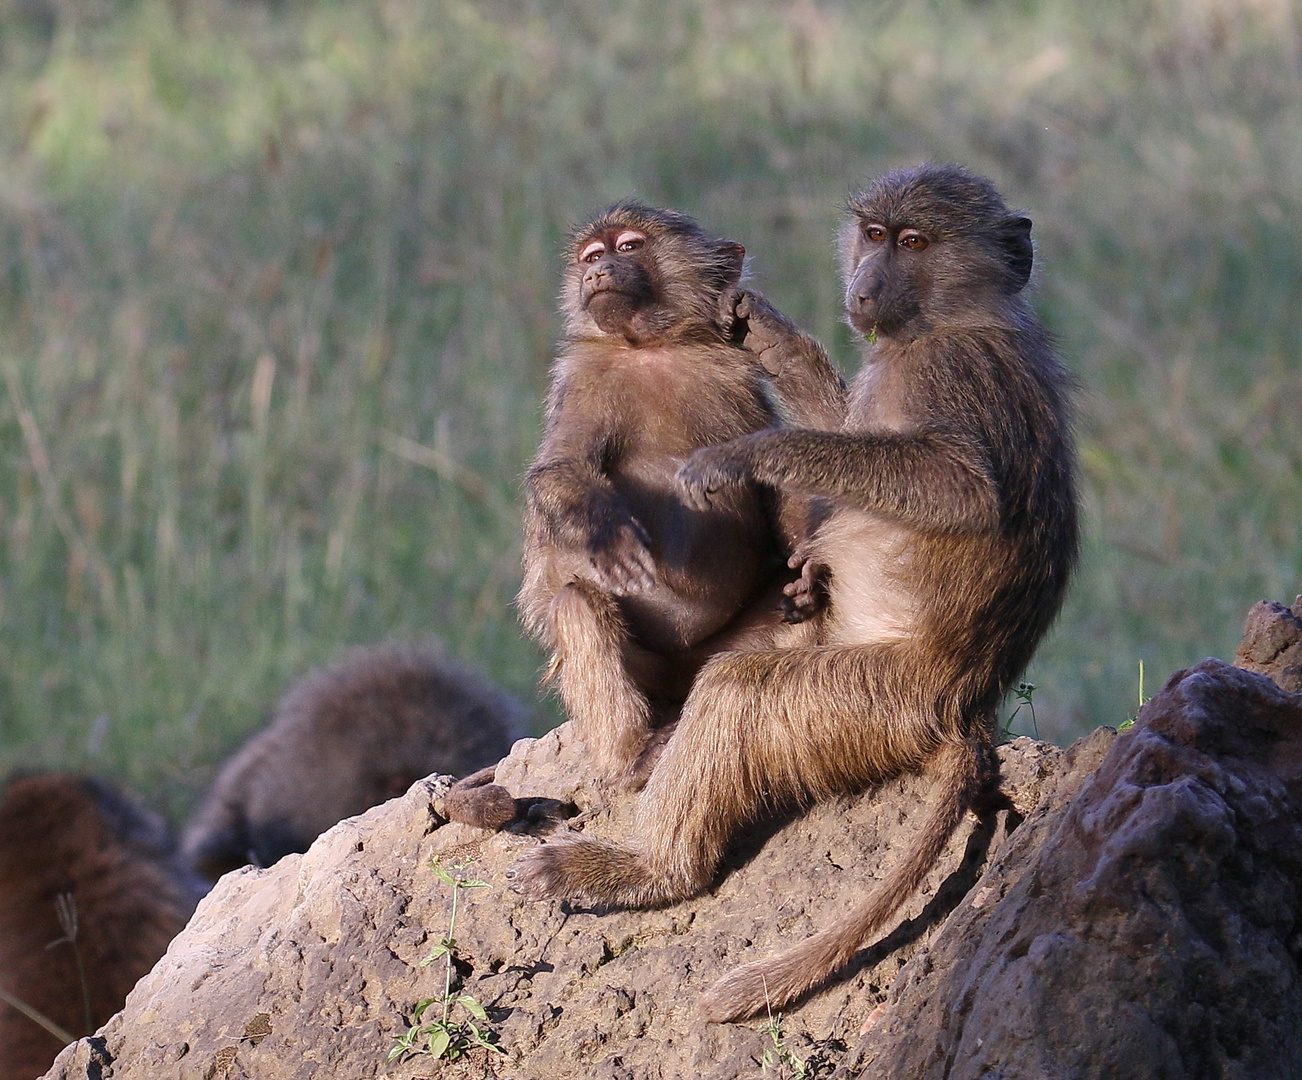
column 957, row 770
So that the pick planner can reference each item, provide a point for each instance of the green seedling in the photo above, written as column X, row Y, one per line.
column 1025, row 694
column 1129, row 721
column 780, row 1054
column 447, row 1037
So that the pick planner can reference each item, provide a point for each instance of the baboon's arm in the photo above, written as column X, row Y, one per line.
column 570, row 493
column 933, row 479
column 808, row 390
column 568, row 485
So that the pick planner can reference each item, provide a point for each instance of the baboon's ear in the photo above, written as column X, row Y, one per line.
column 733, row 256
column 1015, row 238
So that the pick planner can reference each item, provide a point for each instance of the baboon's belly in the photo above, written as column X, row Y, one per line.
column 870, row 561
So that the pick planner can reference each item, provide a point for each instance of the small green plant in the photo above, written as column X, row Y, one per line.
column 446, row 1037
column 1025, row 694
column 780, row 1054
column 1129, row 721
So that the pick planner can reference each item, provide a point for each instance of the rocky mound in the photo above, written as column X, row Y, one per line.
column 1130, row 909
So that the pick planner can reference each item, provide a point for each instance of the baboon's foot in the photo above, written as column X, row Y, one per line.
column 476, row 800
column 589, row 871
column 807, row 596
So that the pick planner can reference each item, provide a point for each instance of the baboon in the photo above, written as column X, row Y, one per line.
column 949, row 537
column 76, row 844
column 345, row 738
column 629, row 588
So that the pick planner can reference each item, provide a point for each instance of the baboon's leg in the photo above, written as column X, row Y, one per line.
column 592, row 672
column 760, row 731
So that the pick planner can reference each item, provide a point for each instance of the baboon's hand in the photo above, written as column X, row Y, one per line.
column 476, row 800
column 621, row 560
column 767, row 331
column 807, row 595
column 730, row 324
column 708, row 471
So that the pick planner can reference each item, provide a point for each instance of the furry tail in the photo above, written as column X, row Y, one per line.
column 958, row 771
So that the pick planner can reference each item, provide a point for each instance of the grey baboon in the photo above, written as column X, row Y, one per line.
column 345, row 738
column 628, row 587
column 90, row 897
column 949, row 536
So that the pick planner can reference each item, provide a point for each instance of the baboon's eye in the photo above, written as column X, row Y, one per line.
column 875, row 233
column 629, row 241
column 914, row 240
column 592, row 252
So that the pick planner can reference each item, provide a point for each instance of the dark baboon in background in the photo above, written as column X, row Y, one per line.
column 629, row 588
column 949, row 537
column 75, row 842
column 345, row 738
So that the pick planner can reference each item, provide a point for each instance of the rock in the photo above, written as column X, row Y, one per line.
column 311, row 968
column 1129, row 909
column 1150, row 929
column 1272, row 644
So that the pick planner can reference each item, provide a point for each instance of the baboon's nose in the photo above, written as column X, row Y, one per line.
column 865, row 290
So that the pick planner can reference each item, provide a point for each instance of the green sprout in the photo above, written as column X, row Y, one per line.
column 446, row 1037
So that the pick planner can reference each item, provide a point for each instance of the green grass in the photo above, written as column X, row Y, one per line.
column 277, row 301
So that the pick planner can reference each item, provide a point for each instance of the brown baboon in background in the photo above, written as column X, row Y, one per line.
column 345, row 738
column 628, row 587
column 74, row 842
column 949, row 538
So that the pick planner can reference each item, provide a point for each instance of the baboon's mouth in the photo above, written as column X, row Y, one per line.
column 884, row 321
column 609, row 296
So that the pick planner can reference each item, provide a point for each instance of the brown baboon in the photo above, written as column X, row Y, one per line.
column 628, row 587
column 345, row 738
column 949, row 537
column 73, row 843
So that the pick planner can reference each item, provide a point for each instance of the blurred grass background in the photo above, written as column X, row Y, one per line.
column 277, row 302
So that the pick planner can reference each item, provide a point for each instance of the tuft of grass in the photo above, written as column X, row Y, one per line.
column 276, row 308
column 779, row 1055
column 1129, row 721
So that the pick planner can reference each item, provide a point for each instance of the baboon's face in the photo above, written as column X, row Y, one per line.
column 930, row 247
column 618, row 279
column 643, row 276
column 892, row 266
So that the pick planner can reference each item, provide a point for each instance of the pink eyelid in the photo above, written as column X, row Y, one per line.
column 628, row 237
column 594, row 248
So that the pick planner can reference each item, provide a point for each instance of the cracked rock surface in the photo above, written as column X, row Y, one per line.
column 1141, row 920
column 1272, row 643
column 310, row 968
column 1150, row 929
